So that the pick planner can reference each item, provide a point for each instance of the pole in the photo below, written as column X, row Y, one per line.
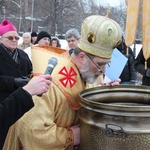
column 134, row 48
column 20, row 17
column 32, row 15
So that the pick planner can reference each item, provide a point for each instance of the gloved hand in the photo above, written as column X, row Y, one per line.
column 21, row 81
column 148, row 72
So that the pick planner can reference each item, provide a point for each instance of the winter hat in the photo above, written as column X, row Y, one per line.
column 33, row 34
column 6, row 26
column 41, row 35
column 99, row 36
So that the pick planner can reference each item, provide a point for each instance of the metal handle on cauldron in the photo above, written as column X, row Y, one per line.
column 120, row 133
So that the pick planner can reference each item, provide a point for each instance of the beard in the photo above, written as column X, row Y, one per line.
column 87, row 75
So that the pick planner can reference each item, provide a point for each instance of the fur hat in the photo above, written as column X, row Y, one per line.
column 6, row 26
column 99, row 36
column 41, row 35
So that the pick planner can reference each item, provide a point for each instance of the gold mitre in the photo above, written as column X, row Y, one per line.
column 99, row 36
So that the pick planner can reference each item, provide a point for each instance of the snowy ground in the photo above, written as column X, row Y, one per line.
column 63, row 43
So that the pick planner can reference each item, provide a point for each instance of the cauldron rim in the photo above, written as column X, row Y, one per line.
column 85, row 102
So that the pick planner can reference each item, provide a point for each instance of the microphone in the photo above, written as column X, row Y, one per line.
column 52, row 62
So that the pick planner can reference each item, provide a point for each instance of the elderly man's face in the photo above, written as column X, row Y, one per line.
column 92, row 68
column 10, row 40
column 26, row 38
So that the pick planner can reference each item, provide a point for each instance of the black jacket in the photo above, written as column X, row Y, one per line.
column 11, row 109
column 128, row 74
column 9, row 70
column 140, row 67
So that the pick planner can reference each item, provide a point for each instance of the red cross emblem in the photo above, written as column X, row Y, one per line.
column 68, row 79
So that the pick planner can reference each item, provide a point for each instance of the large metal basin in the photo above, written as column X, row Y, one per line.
column 115, row 118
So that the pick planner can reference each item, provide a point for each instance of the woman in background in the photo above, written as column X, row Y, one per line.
column 56, row 42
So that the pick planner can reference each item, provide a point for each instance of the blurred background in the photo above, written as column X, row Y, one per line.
column 58, row 16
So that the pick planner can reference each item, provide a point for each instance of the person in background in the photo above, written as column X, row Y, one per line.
column 140, row 68
column 55, row 42
column 33, row 37
column 26, row 41
column 129, row 74
column 53, row 123
column 72, row 37
column 15, row 65
column 19, row 102
column 43, row 39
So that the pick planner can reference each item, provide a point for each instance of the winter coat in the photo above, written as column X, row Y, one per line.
column 140, row 67
column 128, row 74
column 11, row 109
column 9, row 70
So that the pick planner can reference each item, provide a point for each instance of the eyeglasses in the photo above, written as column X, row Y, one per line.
column 98, row 66
column 11, row 38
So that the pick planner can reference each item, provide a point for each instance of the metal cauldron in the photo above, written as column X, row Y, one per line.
column 115, row 118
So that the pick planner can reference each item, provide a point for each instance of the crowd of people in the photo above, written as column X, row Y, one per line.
column 51, row 121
